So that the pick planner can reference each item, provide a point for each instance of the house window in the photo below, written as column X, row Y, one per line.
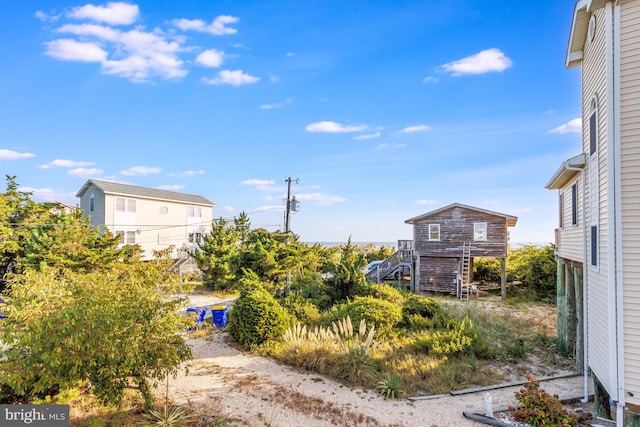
column 195, row 237
column 480, row 231
column 574, row 204
column 126, row 237
column 434, row 232
column 92, row 202
column 561, row 213
column 128, row 205
column 594, row 245
column 194, row 211
column 593, row 127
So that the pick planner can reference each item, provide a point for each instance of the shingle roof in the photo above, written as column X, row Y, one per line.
column 511, row 220
column 148, row 193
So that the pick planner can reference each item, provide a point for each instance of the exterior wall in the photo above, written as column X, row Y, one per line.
column 594, row 83
column 570, row 236
column 439, row 260
column 157, row 224
column 630, row 185
column 97, row 215
column 456, row 227
column 438, row 274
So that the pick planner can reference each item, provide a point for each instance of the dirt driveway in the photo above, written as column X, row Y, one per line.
column 253, row 391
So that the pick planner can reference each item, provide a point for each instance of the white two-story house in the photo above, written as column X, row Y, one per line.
column 154, row 219
column 598, row 238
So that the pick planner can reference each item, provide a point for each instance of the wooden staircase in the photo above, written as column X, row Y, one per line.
column 390, row 265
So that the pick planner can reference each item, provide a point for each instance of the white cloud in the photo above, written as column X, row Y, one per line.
column 50, row 195
column 234, row 78
column 320, row 199
column 333, row 127
column 426, row 202
column 86, row 172
column 416, row 128
column 137, row 54
column 430, row 79
column 174, row 187
column 91, row 30
column 264, row 185
column 573, row 126
column 389, row 146
column 228, row 208
column 486, row 61
column 59, row 163
column 273, row 78
column 114, row 13
column 257, row 182
column 45, row 17
column 217, row 27
column 72, row 50
column 141, row 170
column 368, row 136
column 211, row 58
column 187, row 173
column 14, row 155
column 290, row 54
column 276, row 105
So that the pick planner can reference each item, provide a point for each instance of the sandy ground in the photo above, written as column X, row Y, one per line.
column 226, row 382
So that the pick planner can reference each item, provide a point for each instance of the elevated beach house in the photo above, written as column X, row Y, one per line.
column 598, row 235
column 151, row 218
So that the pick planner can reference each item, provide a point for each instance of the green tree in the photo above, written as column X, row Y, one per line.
column 70, row 241
column 18, row 214
column 108, row 327
column 346, row 274
column 215, row 256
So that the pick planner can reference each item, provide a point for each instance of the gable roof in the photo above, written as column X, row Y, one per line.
column 579, row 29
column 142, row 192
column 565, row 173
column 511, row 220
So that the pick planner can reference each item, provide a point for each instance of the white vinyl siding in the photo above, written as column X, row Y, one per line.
column 594, row 83
column 630, row 176
column 570, row 236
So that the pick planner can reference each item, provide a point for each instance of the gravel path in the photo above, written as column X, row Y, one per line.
column 252, row 391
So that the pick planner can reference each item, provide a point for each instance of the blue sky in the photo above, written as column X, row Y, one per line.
column 384, row 110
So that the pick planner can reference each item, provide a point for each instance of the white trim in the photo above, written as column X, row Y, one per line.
column 617, row 217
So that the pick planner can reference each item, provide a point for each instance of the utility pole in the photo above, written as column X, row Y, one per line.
column 292, row 204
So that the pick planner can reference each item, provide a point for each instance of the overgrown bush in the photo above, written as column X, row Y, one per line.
column 381, row 291
column 539, row 408
column 383, row 314
column 256, row 317
column 301, row 309
column 420, row 312
column 446, row 342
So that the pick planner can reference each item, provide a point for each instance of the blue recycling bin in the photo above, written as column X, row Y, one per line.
column 200, row 313
column 219, row 314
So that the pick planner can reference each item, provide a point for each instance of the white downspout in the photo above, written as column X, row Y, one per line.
column 585, row 273
column 618, row 217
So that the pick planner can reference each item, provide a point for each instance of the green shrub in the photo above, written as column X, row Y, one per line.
column 384, row 315
column 446, row 342
column 390, row 386
column 301, row 309
column 420, row 312
column 539, row 408
column 256, row 317
column 381, row 291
